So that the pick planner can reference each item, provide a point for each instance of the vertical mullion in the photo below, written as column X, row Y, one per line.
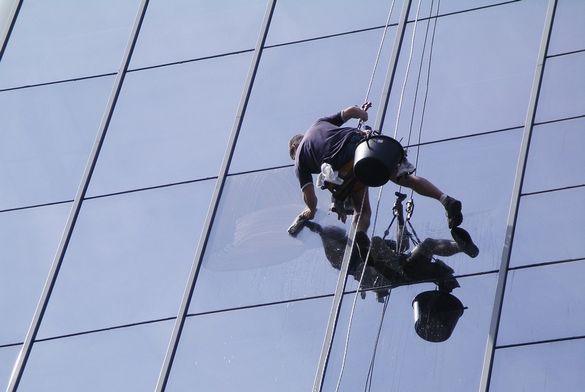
column 214, row 204
column 515, row 202
column 7, row 31
column 25, row 351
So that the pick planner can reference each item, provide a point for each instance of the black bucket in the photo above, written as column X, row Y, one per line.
column 436, row 314
column 376, row 159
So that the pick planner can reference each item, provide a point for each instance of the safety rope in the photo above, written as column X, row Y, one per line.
column 346, row 345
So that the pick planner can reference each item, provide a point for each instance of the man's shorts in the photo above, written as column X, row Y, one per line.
column 347, row 152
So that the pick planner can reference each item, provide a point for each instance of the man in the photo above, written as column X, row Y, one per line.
column 327, row 141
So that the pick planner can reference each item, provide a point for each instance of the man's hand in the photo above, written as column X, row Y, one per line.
column 354, row 112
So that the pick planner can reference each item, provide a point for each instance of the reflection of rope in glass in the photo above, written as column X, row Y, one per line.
column 346, row 345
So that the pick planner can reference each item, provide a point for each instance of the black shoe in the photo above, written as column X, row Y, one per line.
column 465, row 242
column 453, row 209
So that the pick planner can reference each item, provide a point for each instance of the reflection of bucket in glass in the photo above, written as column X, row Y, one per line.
column 436, row 314
column 376, row 159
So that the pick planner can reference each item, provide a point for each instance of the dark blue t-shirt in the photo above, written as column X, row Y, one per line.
column 320, row 144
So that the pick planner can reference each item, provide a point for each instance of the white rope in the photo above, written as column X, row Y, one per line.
column 407, row 69
column 354, row 302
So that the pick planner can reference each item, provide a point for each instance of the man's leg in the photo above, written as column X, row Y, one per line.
column 432, row 247
column 424, row 187
column 361, row 217
column 361, row 205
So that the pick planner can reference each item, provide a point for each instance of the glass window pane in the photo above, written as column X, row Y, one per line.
column 478, row 172
column 563, row 88
column 28, row 241
column 126, row 359
column 63, row 39
column 8, row 356
column 540, row 368
column 403, row 360
column 47, row 135
column 272, row 348
column 450, row 6
column 297, row 20
column 543, row 303
column 128, row 259
column 314, row 89
column 564, row 142
column 196, row 29
column 481, row 73
column 251, row 259
column 171, row 124
column 550, row 227
column 568, row 33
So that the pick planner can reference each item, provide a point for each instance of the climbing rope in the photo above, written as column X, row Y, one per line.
column 346, row 345
column 410, row 203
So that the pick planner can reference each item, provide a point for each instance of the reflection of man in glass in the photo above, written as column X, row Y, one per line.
column 327, row 141
column 418, row 264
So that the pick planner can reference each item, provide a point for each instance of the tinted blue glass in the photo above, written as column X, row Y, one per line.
column 563, row 142
column 171, row 124
column 479, row 171
column 128, row 259
column 250, row 257
column 404, row 361
column 540, row 368
column 272, row 348
column 28, row 241
column 196, row 29
column 62, row 39
column 448, row 6
column 127, row 359
column 550, row 227
column 296, row 20
column 543, row 303
column 568, row 33
column 330, row 81
column 563, row 88
column 7, row 357
column 47, row 135
column 481, row 72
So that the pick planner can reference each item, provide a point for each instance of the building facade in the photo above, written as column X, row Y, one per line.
column 146, row 189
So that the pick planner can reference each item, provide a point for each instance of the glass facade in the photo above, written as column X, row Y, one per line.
column 157, row 258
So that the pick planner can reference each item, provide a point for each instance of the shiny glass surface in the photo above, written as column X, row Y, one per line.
column 196, row 29
column 403, row 361
column 563, row 142
column 7, row 358
column 251, row 259
column 47, row 135
column 128, row 259
column 297, row 20
column 562, row 92
column 321, row 78
column 481, row 73
column 127, row 359
column 171, row 124
column 271, row 348
column 28, row 241
column 63, row 39
column 550, row 227
column 449, row 6
column 543, row 303
column 479, row 172
column 540, row 368
column 568, row 32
